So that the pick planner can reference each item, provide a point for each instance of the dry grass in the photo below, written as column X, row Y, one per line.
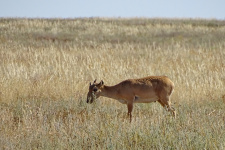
column 46, row 67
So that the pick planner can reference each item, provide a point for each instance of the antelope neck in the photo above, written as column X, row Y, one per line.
column 110, row 92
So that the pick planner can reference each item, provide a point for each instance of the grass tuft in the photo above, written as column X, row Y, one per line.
column 46, row 66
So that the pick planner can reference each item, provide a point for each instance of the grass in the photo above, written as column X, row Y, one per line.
column 46, row 66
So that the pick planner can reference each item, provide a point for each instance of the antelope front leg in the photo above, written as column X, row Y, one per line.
column 130, row 108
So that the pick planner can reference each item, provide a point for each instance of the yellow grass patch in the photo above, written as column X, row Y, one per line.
column 46, row 66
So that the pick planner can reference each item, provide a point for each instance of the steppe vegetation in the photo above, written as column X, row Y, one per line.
column 46, row 66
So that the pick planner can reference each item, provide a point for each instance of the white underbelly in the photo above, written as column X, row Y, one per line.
column 148, row 100
column 122, row 101
column 140, row 100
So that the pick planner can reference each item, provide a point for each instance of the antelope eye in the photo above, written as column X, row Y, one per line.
column 95, row 89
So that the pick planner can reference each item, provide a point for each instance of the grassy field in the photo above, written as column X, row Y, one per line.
column 46, row 66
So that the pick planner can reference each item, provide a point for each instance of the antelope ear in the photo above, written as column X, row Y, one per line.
column 101, row 83
column 90, row 83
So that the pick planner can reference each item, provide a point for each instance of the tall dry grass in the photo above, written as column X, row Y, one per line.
column 46, row 66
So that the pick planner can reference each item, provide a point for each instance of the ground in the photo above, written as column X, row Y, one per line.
column 46, row 66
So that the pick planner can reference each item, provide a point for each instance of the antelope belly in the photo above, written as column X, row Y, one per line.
column 145, row 100
column 122, row 101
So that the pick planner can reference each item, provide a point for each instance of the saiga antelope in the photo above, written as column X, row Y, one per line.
column 143, row 90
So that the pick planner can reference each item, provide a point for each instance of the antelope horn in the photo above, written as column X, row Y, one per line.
column 95, row 81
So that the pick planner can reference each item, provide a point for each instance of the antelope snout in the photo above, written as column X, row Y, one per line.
column 89, row 100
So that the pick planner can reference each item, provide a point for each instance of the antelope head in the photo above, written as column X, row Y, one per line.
column 95, row 90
